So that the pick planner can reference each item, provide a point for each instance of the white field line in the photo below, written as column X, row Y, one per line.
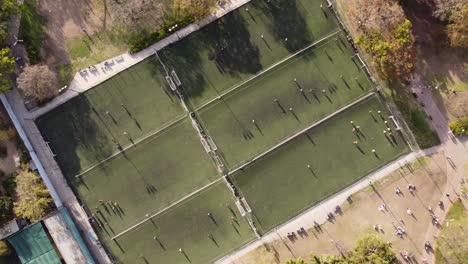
column 319, row 211
column 267, row 69
column 165, row 209
column 259, row 156
column 139, row 140
column 79, row 84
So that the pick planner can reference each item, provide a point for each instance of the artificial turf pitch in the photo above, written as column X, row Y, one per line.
column 245, row 42
column 168, row 162
column 137, row 100
column 187, row 226
column 147, row 177
column 281, row 185
column 248, row 120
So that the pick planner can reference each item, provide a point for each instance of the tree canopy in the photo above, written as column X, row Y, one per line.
column 7, row 67
column 196, row 9
column 457, row 30
column 38, row 81
column 369, row 248
column 383, row 31
column 33, row 199
column 6, row 209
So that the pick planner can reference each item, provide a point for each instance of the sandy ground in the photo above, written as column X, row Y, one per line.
column 359, row 216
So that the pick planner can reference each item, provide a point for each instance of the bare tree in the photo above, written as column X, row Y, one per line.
column 197, row 9
column 368, row 16
column 382, row 30
column 138, row 13
column 38, row 81
column 445, row 9
column 457, row 30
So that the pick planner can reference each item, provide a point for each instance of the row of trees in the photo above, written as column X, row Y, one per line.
column 31, row 201
column 383, row 31
column 369, row 249
column 455, row 14
column 7, row 62
column 180, row 14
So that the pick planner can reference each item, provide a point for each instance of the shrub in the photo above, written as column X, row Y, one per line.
column 460, row 126
column 4, row 249
column 9, row 184
column 33, row 199
column 144, row 39
column 7, row 133
column 6, row 209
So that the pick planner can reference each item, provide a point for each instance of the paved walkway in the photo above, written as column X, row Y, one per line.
column 106, row 69
column 456, row 152
column 319, row 212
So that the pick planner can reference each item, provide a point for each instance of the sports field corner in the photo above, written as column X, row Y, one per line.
column 204, row 227
column 274, row 94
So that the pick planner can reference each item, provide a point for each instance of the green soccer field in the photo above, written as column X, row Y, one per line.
column 281, row 185
column 230, row 119
column 148, row 177
column 187, row 226
column 254, row 77
column 232, row 49
column 85, row 130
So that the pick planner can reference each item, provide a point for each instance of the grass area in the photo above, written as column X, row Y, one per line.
column 281, row 185
column 148, row 177
column 96, row 48
column 452, row 246
column 187, row 226
column 31, row 29
column 417, row 121
column 65, row 73
column 81, row 132
column 232, row 48
column 326, row 67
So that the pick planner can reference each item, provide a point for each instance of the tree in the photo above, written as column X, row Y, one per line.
column 383, row 31
column 38, row 81
column 138, row 13
column 33, row 199
column 444, row 9
column 369, row 249
column 6, row 210
column 457, row 30
column 7, row 67
column 372, row 249
column 4, row 249
column 196, row 9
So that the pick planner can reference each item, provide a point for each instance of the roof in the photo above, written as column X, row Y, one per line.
column 33, row 246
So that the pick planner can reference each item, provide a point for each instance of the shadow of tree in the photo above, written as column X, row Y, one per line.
column 288, row 25
column 225, row 43
column 230, row 46
column 75, row 136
